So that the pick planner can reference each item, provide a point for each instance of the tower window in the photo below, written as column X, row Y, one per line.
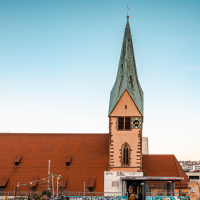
column 125, row 154
column 125, row 106
column 124, row 123
column 121, row 123
column 127, row 123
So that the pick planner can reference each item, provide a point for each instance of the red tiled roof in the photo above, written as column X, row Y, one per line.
column 62, row 183
column 89, row 152
column 164, row 165
column 90, row 160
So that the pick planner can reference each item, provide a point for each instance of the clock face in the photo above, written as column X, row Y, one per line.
column 136, row 123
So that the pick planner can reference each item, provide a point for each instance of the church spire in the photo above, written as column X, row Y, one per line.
column 127, row 78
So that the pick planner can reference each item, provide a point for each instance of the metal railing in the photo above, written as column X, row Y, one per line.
column 87, row 194
column 165, row 193
column 66, row 193
column 63, row 193
column 18, row 194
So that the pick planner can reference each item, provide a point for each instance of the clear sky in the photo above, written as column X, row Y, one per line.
column 59, row 60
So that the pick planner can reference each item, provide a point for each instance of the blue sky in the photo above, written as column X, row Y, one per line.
column 59, row 60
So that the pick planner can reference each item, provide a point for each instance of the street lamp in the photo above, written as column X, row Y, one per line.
column 58, row 177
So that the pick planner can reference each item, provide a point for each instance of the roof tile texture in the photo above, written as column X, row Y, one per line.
column 164, row 165
column 89, row 154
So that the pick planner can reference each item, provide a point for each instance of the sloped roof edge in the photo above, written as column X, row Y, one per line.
column 120, row 98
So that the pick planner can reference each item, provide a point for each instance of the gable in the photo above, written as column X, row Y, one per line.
column 120, row 110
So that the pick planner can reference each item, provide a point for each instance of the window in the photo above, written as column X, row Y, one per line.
column 90, row 189
column 125, row 106
column 194, row 177
column 115, row 184
column 127, row 123
column 121, row 123
column 124, row 123
column 125, row 154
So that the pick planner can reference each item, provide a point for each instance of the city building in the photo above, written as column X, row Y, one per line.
column 195, row 167
column 145, row 145
column 194, row 176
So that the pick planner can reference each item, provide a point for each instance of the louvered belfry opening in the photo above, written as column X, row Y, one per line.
column 124, row 123
column 125, row 154
column 121, row 123
column 127, row 123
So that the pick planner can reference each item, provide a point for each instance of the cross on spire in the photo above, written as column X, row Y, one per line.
column 127, row 11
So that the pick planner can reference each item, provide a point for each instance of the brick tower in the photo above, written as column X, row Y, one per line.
column 126, row 113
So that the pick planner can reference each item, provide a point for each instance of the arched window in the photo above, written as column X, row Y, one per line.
column 125, row 154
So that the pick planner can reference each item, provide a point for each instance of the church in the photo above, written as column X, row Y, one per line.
column 109, row 163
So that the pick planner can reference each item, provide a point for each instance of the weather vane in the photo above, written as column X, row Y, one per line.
column 127, row 11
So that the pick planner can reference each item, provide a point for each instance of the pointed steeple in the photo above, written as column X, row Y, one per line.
column 127, row 78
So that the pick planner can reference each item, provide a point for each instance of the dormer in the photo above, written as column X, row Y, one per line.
column 17, row 160
column 68, row 160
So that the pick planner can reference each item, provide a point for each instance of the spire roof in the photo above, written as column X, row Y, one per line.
column 127, row 78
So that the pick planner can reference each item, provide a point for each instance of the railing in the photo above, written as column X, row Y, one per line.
column 86, row 194
column 64, row 193
column 20, row 193
column 165, row 193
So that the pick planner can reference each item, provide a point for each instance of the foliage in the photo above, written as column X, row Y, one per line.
column 36, row 196
column 44, row 198
column 46, row 193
